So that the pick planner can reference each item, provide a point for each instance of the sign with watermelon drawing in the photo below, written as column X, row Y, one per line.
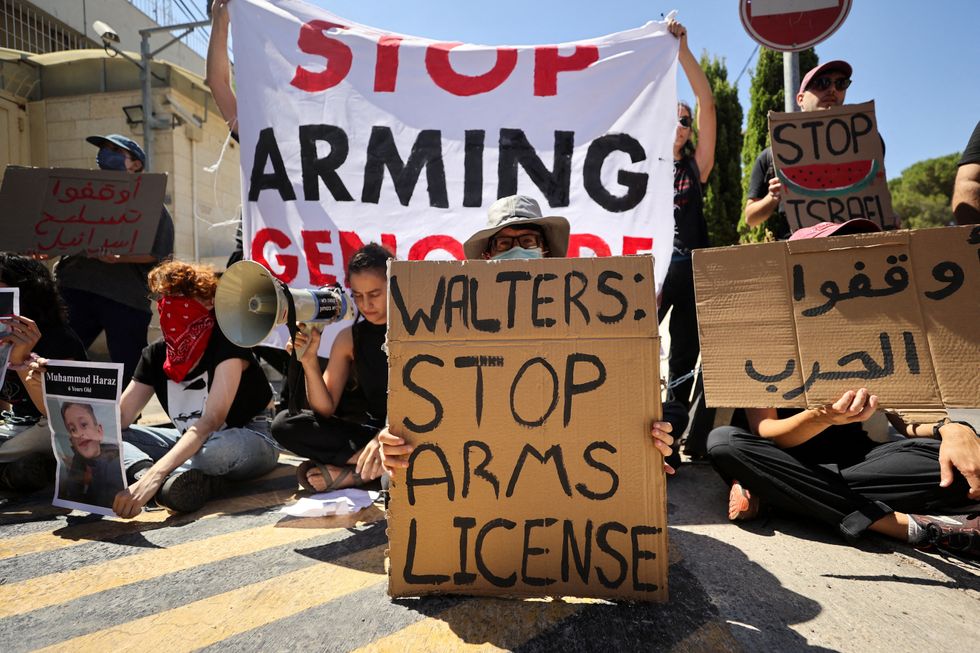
column 832, row 167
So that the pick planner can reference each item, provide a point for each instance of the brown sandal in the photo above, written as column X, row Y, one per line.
column 333, row 482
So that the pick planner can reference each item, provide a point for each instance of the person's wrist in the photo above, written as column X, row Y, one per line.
column 947, row 428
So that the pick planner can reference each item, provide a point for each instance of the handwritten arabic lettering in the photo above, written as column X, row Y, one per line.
column 107, row 192
column 870, row 368
column 896, row 279
column 949, row 273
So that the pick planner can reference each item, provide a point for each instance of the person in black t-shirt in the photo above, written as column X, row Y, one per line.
column 820, row 464
column 966, row 188
column 692, row 165
column 214, row 392
column 823, row 87
column 344, row 452
column 26, row 459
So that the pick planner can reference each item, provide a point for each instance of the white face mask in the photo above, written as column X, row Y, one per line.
column 518, row 252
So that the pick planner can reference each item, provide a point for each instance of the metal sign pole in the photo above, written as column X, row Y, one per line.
column 791, row 79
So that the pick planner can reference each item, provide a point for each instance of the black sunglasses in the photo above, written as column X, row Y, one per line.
column 685, row 121
column 823, row 83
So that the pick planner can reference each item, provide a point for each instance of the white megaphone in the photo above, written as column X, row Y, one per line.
column 249, row 303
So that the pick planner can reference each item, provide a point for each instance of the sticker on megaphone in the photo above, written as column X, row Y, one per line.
column 249, row 303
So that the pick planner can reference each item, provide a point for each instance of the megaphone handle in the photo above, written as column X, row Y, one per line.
column 306, row 329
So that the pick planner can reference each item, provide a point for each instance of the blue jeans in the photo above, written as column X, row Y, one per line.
column 237, row 454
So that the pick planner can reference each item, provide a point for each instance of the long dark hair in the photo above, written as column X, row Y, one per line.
column 39, row 297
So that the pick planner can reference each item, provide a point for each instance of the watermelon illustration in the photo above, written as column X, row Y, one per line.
column 828, row 179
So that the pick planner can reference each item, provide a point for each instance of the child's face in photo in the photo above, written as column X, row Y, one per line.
column 83, row 431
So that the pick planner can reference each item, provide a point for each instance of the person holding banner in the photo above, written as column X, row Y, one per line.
column 821, row 464
column 109, row 293
column 214, row 392
column 344, row 452
column 823, row 87
column 692, row 166
column 26, row 460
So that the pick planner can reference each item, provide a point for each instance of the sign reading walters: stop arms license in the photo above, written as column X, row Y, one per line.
column 528, row 389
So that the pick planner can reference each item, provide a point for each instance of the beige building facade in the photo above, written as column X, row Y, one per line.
column 50, row 102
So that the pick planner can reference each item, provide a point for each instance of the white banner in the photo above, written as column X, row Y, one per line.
column 351, row 135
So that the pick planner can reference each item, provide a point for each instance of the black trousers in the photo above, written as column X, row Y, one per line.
column 678, row 291
column 896, row 476
column 326, row 440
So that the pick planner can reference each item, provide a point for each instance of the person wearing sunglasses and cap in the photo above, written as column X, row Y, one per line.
column 822, row 88
column 110, row 292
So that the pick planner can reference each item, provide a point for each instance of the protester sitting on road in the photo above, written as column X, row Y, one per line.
column 26, row 460
column 518, row 230
column 819, row 463
column 966, row 188
column 94, row 475
column 214, row 392
column 343, row 451
column 692, row 165
column 822, row 87
column 109, row 292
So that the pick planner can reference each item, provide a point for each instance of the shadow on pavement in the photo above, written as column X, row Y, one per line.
column 690, row 619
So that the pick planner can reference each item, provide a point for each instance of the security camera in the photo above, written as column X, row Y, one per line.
column 106, row 33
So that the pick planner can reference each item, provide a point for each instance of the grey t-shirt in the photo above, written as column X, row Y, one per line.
column 122, row 282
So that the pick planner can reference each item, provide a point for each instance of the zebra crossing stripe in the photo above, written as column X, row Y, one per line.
column 209, row 621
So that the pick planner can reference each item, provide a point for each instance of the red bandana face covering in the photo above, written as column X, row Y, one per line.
column 186, row 326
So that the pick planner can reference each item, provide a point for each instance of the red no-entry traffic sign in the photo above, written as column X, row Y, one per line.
column 792, row 25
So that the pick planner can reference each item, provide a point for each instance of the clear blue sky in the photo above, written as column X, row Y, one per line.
column 917, row 60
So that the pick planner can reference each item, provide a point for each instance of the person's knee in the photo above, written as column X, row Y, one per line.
column 723, row 442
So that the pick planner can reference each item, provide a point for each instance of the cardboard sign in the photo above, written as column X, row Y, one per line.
column 82, row 399
column 57, row 211
column 528, row 389
column 352, row 134
column 832, row 166
column 798, row 323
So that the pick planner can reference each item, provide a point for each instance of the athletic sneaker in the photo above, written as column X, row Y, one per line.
column 957, row 533
column 742, row 505
column 185, row 491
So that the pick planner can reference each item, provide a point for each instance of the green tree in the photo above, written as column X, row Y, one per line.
column 765, row 95
column 723, row 201
column 921, row 195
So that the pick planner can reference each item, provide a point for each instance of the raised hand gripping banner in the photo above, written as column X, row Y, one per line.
column 351, row 134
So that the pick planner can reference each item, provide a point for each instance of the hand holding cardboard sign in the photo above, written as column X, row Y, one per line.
column 369, row 463
column 394, row 451
column 960, row 450
column 662, row 439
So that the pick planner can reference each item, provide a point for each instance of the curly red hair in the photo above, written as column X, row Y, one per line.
column 176, row 278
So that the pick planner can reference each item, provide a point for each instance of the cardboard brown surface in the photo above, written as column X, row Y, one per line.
column 544, row 431
column 58, row 211
column 797, row 323
column 832, row 166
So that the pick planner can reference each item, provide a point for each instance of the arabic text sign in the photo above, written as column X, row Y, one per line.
column 350, row 135
column 798, row 323
column 59, row 211
column 528, row 389
column 832, row 166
